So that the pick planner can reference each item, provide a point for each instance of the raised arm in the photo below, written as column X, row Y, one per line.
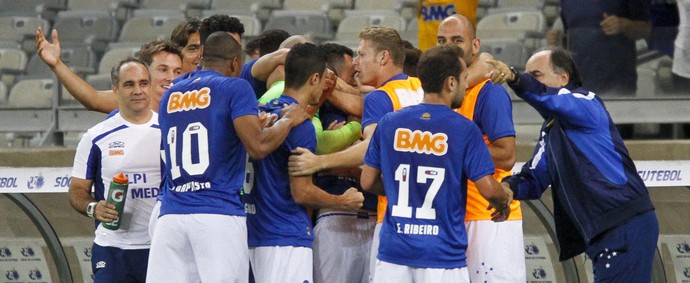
column 304, row 162
column 264, row 66
column 92, row 99
column 260, row 141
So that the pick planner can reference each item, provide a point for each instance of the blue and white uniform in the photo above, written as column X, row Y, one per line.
column 117, row 146
column 426, row 153
column 204, row 168
column 601, row 205
column 280, row 231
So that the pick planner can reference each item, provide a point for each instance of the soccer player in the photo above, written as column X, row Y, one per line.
column 128, row 142
column 280, row 230
column 379, row 63
column 489, row 106
column 425, row 154
column 209, row 124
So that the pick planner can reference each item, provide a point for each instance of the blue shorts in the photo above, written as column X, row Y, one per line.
column 117, row 265
column 625, row 253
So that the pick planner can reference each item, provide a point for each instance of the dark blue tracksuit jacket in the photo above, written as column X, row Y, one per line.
column 581, row 155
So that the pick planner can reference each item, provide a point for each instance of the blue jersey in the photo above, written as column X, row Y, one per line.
column 259, row 87
column 426, row 153
column 204, row 158
column 273, row 217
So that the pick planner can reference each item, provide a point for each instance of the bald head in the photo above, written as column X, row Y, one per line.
column 221, row 45
column 458, row 30
column 294, row 40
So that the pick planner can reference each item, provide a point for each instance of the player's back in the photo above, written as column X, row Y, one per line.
column 205, row 159
column 426, row 151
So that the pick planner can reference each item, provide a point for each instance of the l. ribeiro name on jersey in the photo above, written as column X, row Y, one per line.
column 190, row 100
column 417, row 141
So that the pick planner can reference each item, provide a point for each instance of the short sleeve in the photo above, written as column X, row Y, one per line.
column 242, row 100
column 494, row 112
column 87, row 159
column 376, row 104
column 373, row 155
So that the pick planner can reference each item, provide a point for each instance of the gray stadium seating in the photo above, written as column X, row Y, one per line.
column 94, row 28
column 145, row 28
column 32, row 93
column 314, row 23
column 12, row 63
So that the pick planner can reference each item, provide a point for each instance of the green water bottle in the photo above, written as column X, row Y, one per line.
column 117, row 194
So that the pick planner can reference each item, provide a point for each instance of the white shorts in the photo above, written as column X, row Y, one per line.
column 342, row 244
column 495, row 251
column 199, row 248
column 395, row 273
column 374, row 251
column 154, row 217
column 282, row 264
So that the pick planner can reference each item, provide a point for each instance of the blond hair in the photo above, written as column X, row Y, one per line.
column 385, row 38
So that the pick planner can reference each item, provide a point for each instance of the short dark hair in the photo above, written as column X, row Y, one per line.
column 115, row 71
column 219, row 22
column 270, row 40
column 411, row 59
column 335, row 54
column 221, row 46
column 303, row 60
column 252, row 46
column 180, row 34
column 562, row 61
column 437, row 64
column 151, row 48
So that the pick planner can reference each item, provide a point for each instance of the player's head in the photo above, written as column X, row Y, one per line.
column 304, row 68
column 411, row 59
column 219, row 22
column 379, row 47
column 442, row 71
column 460, row 31
column 251, row 49
column 339, row 60
column 554, row 68
column 165, row 64
column 186, row 35
column 223, row 53
column 131, row 84
column 270, row 40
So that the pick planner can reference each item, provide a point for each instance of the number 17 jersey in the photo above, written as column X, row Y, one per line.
column 426, row 153
column 204, row 158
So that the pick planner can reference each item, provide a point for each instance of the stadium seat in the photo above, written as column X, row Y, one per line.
column 363, row 5
column 411, row 32
column 36, row 69
column 510, row 51
column 145, row 28
column 12, row 64
column 312, row 23
column 351, row 26
column 44, row 9
column 36, row 93
column 114, row 56
column 80, row 58
column 3, row 94
column 260, row 8
column 94, row 28
column 21, row 30
column 526, row 27
column 180, row 5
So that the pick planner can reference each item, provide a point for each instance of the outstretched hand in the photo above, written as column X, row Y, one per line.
column 501, row 72
column 48, row 52
column 302, row 162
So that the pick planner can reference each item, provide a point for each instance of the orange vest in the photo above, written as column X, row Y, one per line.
column 434, row 11
column 476, row 204
column 402, row 93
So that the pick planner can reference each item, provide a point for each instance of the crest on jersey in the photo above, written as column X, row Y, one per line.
column 426, row 116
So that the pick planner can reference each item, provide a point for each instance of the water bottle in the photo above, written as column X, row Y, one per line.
column 117, row 194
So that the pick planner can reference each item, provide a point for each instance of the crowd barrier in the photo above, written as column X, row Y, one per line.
column 15, row 182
